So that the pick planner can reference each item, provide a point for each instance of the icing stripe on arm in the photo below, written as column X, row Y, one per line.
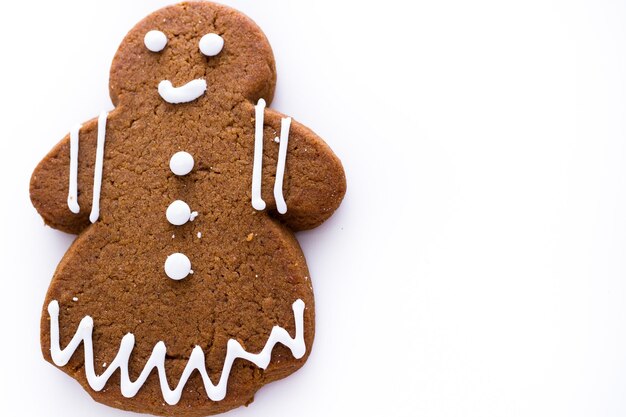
column 257, row 167
column 281, row 205
column 72, row 196
column 97, row 175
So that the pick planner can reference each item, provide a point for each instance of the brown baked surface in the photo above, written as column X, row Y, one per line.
column 248, row 267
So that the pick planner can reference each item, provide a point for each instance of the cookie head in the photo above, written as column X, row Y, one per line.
column 200, row 53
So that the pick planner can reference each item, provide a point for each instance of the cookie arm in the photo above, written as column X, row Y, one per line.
column 314, row 180
column 49, row 183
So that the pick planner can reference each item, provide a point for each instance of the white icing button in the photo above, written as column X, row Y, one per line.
column 178, row 213
column 211, row 44
column 181, row 163
column 155, row 40
column 177, row 266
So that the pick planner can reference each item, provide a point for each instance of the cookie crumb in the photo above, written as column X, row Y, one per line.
column 250, row 237
column 75, row 299
column 199, row 235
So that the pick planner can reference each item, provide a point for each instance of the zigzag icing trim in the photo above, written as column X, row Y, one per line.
column 157, row 359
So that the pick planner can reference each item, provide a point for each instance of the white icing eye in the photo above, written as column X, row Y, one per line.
column 155, row 40
column 211, row 44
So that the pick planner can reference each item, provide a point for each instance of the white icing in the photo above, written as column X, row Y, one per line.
column 72, row 195
column 97, row 176
column 211, row 44
column 183, row 94
column 155, row 40
column 193, row 216
column 157, row 359
column 181, row 163
column 178, row 213
column 177, row 266
column 257, row 167
column 199, row 235
column 281, row 205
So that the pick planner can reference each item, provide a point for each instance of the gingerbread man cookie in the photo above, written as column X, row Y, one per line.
column 185, row 290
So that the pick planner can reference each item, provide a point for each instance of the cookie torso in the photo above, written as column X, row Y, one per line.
column 247, row 269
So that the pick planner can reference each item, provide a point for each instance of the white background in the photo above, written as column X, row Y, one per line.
column 477, row 266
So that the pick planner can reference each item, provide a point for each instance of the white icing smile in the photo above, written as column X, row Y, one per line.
column 183, row 94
